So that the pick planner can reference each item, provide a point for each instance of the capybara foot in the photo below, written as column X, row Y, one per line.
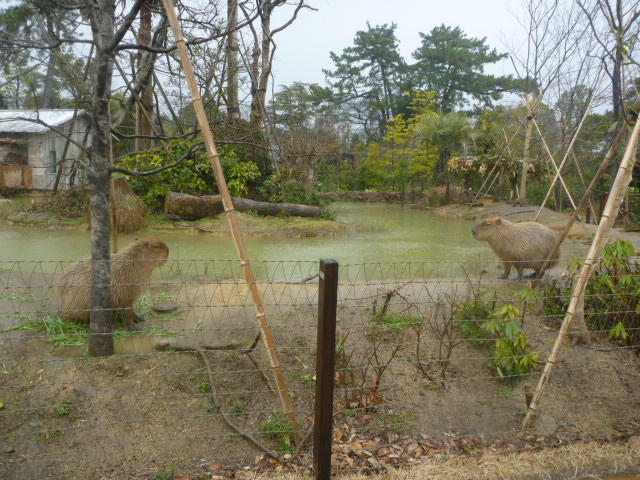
column 503, row 277
column 138, row 319
column 132, row 327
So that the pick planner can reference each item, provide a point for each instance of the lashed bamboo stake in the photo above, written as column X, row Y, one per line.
column 566, row 155
column 236, row 232
column 555, row 166
column 584, row 185
column 612, row 207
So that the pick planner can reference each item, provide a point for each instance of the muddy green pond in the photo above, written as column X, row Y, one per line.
column 376, row 233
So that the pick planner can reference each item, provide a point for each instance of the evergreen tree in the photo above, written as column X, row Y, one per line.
column 369, row 78
column 452, row 64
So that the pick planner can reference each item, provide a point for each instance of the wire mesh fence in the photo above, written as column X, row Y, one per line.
column 432, row 358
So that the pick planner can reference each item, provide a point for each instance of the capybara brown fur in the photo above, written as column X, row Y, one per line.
column 519, row 245
column 131, row 270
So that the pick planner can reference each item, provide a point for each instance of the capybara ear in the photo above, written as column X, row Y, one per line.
column 498, row 221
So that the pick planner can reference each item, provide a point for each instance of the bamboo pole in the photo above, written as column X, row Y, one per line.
column 566, row 155
column 620, row 185
column 557, row 176
column 584, row 185
column 586, row 197
column 495, row 165
column 232, row 218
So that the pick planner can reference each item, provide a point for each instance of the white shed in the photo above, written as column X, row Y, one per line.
column 32, row 143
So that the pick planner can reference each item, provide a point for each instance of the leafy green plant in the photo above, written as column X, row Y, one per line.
column 394, row 321
column 290, row 191
column 472, row 315
column 204, row 386
column 168, row 473
column 395, row 422
column 238, row 408
column 612, row 295
column 241, row 176
column 509, row 355
column 618, row 332
column 208, row 406
column 280, row 429
column 63, row 411
column 192, row 175
column 499, row 329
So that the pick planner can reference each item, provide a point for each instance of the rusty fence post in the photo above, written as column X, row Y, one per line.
column 325, row 369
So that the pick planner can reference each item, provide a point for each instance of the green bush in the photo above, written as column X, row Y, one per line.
column 193, row 175
column 290, row 191
column 612, row 296
column 394, row 321
column 280, row 429
column 500, row 330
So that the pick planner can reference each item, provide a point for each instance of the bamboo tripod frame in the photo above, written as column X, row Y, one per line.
column 618, row 189
column 232, row 218
column 587, row 110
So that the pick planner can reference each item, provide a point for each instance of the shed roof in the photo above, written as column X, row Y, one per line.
column 34, row 121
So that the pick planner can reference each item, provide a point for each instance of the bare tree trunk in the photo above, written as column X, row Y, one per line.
column 522, row 198
column 143, row 125
column 259, row 96
column 101, row 339
column 233, row 107
column 47, row 94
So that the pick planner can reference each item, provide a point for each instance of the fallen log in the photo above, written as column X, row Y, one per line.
column 191, row 207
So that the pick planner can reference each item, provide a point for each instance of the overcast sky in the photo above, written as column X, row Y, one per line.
column 303, row 49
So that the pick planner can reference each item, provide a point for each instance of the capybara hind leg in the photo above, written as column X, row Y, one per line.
column 507, row 269
column 520, row 270
column 128, row 317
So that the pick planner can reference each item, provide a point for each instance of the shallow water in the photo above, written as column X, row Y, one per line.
column 376, row 233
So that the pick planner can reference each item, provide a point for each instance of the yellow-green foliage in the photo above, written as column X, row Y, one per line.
column 192, row 175
column 399, row 157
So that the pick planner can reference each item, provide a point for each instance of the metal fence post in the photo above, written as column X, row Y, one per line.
column 325, row 369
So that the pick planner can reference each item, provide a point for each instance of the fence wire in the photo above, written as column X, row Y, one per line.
column 432, row 358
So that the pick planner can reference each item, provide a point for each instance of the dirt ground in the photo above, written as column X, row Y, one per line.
column 145, row 413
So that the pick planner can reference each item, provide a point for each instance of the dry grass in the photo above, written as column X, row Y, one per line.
column 130, row 209
column 578, row 461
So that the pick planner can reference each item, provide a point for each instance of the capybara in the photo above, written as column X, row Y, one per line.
column 131, row 271
column 519, row 245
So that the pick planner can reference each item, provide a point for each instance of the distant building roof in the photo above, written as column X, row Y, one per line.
column 34, row 121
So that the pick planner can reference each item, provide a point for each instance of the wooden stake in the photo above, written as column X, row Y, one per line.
column 112, row 200
column 236, row 232
column 114, row 218
column 620, row 184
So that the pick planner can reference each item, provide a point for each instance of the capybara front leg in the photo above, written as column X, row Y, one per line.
column 507, row 269
column 128, row 317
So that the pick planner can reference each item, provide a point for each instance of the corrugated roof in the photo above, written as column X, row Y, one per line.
column 34, row 121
